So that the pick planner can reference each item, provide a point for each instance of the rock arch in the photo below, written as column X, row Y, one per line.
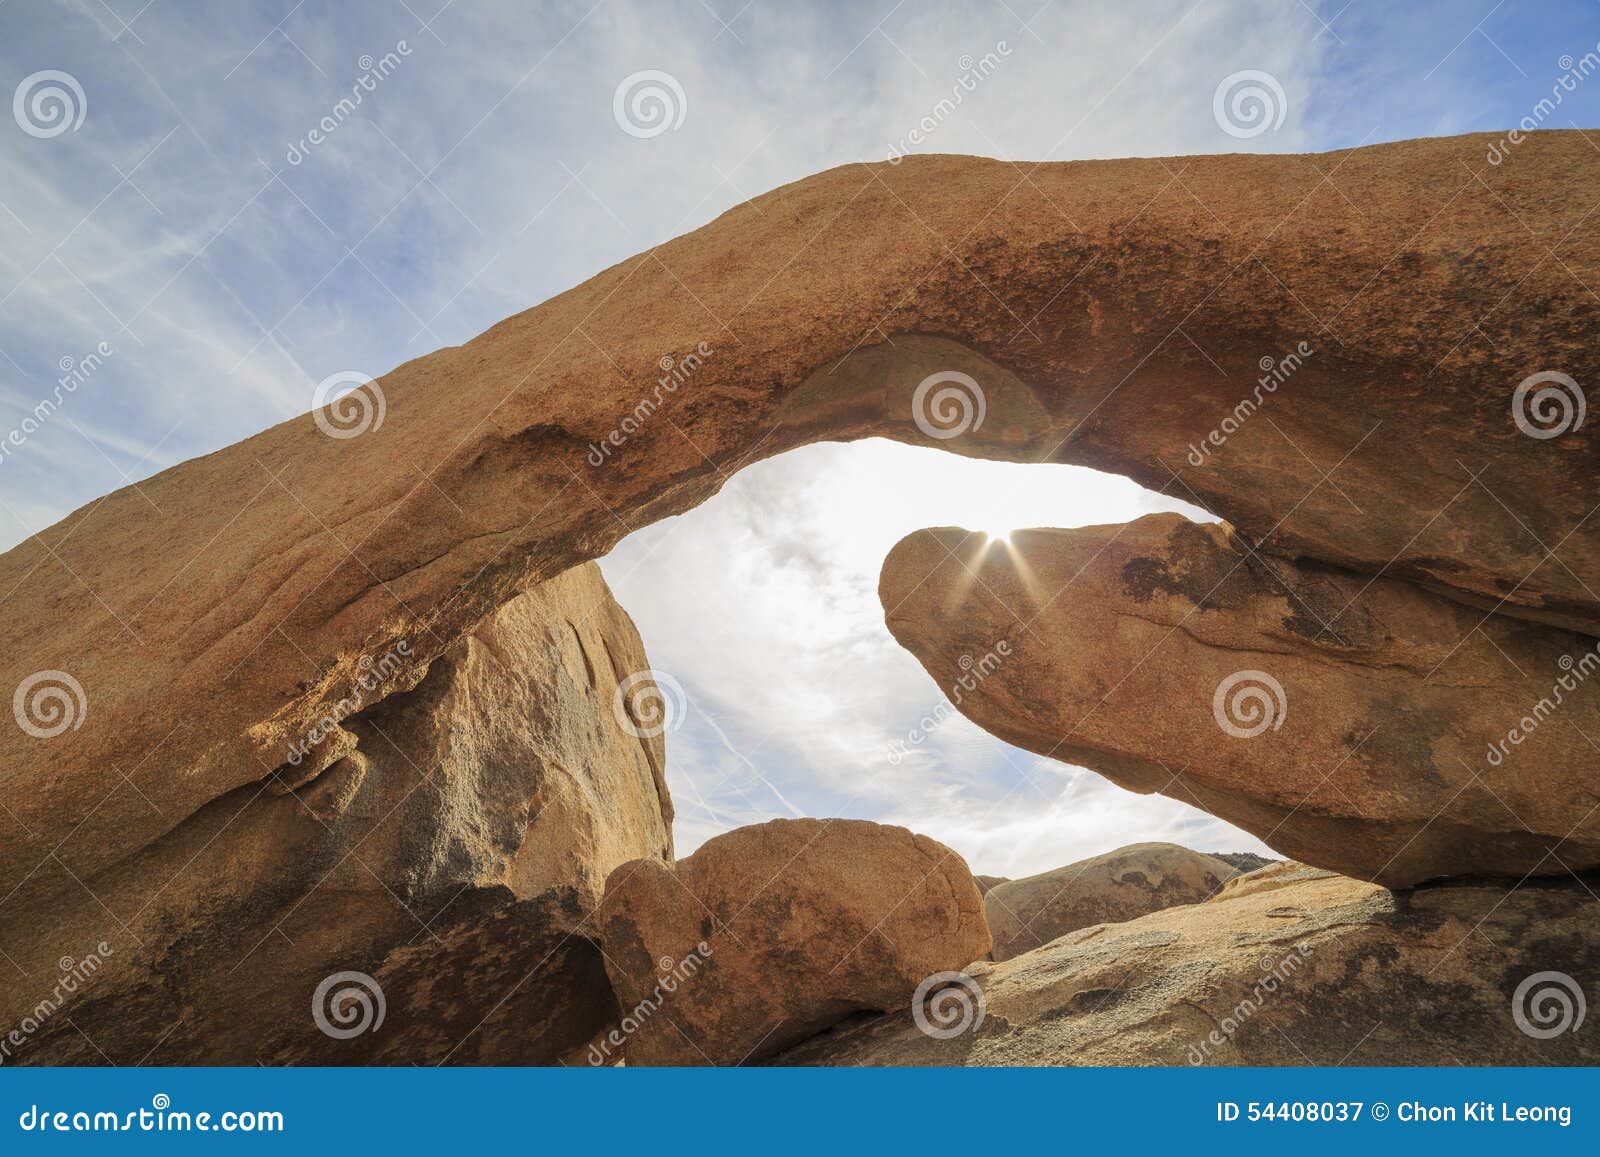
column 1114, row 312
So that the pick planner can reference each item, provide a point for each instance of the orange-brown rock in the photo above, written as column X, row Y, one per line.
column 1132, row 881
column 769, row 933
column 1285, row 966
column 1347, row 720
column 1113, row 313
column 450, row 851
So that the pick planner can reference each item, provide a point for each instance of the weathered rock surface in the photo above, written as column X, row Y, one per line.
column 1132, row 881
column 1300, row 968
column 986, row 883
column 1112, row 312
column 1244, row 861
column 465, row 830
column 1344, row 719
column 769, row 933
column 518, row 982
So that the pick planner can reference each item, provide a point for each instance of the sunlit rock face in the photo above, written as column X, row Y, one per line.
column 459, row 835
column 1285, row 966
column 1109, row 316
column 1356, row 722
column 1107, row 889
column 771, row 932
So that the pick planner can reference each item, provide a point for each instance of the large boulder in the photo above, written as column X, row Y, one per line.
column 445, row 839
column 1285, row 966
column 1098, row 312
column 1028, row 913
column 1359, row 723
column 769, row 933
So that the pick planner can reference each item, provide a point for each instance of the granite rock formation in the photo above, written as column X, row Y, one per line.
column 1285, row 966
column 1112, row 313
column 1356, row 722
column 469, row 819
column 1108, row 889
column 769, row 933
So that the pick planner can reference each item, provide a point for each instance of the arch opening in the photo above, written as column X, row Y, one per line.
column 761, row 605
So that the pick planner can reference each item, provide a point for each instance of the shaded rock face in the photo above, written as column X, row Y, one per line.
column 769, row 933
column 1344, row 719
column 1301, row 968
column 514, row 983
column 463, row 830
column 211, row 616
column 1243, row 861
column 1029, row 913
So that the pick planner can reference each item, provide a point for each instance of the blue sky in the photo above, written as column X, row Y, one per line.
column 188, row 226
